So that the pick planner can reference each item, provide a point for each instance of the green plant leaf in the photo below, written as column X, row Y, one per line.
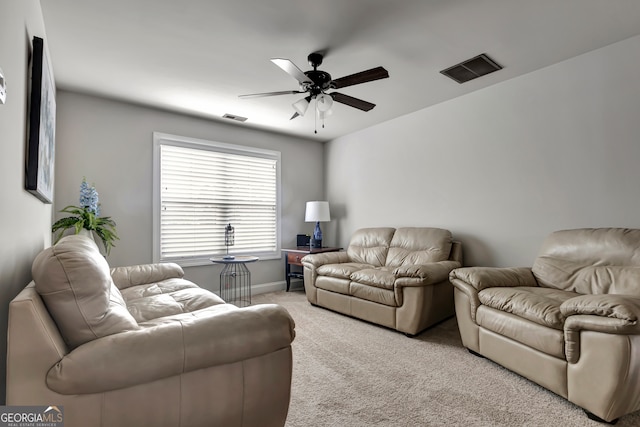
column 104, row 227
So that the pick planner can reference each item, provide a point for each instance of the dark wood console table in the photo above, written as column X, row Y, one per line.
column 294, row 257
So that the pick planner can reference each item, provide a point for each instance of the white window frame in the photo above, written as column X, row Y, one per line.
column 160, row 139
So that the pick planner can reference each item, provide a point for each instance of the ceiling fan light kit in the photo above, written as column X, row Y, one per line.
column 315, row 83
column 301, row 106
column 324, row 103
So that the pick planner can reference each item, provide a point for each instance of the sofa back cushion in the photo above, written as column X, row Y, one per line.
column 370, row 245
column 591, row 261
column 74, row 281
column 419, row 245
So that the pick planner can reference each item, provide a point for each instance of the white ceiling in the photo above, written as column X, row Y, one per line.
column 197, row 56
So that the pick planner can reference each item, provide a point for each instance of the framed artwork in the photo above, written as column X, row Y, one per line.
column 42, row 126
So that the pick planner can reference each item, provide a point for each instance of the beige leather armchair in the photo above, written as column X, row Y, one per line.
column 142, row 346
column 570, row 323
column 398, row 278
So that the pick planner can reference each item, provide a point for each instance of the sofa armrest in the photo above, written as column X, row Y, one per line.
column 492, row 277
column 428, row 274
column 316, row 260
column 172, row 346
column 622, row 307
column 143, row 274
column 609, row 314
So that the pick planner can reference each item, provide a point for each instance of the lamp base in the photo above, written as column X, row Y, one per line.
column 316, row 242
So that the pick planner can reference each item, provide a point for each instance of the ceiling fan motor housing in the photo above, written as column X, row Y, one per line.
column 321, row 81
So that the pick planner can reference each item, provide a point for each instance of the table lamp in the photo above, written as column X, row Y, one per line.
column 317, row 211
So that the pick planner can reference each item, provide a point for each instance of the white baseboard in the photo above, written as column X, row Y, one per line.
column 265, row 288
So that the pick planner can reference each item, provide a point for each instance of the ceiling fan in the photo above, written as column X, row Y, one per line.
column 316, row 83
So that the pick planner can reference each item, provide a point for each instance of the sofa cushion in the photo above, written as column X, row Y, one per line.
column 341, row 271
column 74, row 281
column 141, row 274
column 333, row 284
column 591, row 261
column 370, row 245
column 419, row 245
column 156, row 288
column 373, row 293
column 167, row 298
column 539, row 305
column 381, row 277
column 532, row 334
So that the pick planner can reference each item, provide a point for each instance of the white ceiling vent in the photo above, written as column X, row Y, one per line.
column 472, row 68
column 234, row 117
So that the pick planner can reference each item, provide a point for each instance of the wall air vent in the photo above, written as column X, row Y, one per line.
column 234, row 117
column 472, row 68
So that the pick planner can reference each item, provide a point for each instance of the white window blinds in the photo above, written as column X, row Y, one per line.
column 205, row 186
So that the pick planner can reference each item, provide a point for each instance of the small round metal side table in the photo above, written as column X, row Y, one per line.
column 235, row 279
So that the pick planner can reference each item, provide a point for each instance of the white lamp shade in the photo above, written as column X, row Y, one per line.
column 317, row 212
column 301, row 106
column 324, row 103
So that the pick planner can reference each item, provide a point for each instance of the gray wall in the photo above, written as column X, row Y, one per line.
column 110, row 143
column 504, row 166
column 501, row 167
column 24, row 220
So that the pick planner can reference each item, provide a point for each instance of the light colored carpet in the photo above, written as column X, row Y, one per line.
column 349, row 373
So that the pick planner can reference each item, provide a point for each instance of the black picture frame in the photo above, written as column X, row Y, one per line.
column 41, row 126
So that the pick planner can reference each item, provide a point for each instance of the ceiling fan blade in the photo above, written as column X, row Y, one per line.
column 260, row 95
column 351, row 101
column 291, row 69
column 294, row 116
column 361, row 77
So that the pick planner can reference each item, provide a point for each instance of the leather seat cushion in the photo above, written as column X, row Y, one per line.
column 536, row 304
column 333, row 284
column 372, row 293
column 167, row 298
column 341, row 271
column 547, row 340
column 380, row 277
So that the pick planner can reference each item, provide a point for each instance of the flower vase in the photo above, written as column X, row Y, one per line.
column 87, row 233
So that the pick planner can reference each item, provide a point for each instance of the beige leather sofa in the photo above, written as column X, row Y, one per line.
column 569, row 323
column 141, row 346
column 398, row 278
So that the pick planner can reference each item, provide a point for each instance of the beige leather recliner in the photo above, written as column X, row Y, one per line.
column 398, row 278
column 570, row 323
column 142, row 346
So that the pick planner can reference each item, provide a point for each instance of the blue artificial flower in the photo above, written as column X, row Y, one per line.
column 87, row 216
column 89, row 198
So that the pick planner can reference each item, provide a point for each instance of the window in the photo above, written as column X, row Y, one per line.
column 200, row 187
